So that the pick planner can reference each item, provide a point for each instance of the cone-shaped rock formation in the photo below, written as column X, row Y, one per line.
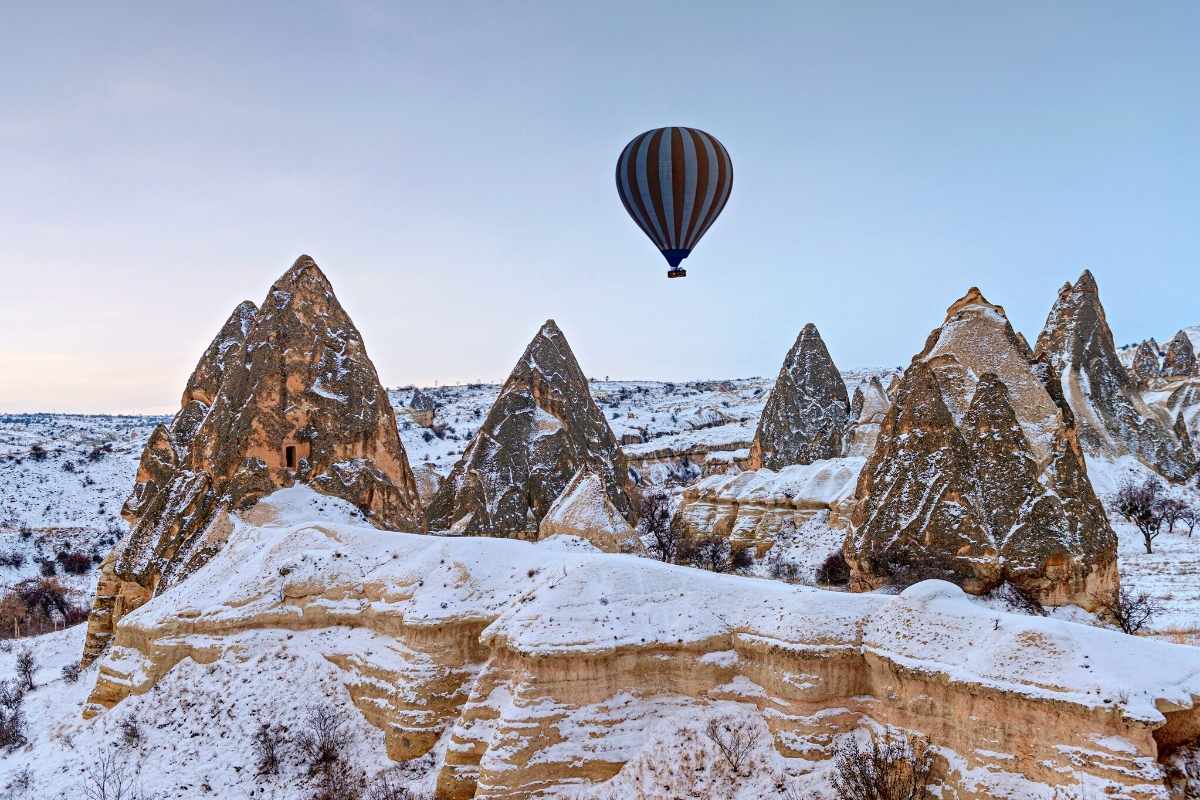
column 805, row 417
column 1145, row 368
column 868, row 408
column 1111, row 416
column 541, row 430
column 1180, row 361
column 977, row 476
column 285, row 393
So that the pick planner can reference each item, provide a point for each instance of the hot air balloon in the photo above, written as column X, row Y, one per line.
column 674, row 182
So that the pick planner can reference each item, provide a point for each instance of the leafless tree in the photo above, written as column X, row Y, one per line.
column 268, row 741
column 1139, row 504
column 654, row 520
column 1172, row 510
column 1190, row 517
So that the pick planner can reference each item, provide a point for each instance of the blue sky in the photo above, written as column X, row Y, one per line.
column 450, row 167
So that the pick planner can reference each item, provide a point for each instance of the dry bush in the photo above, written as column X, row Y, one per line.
column 889, row 768
column 384, row 788
column 12, row 718
column 1128, row 611
column 833, row 571
column 70, row 673
column 325, row 738
column 785, row 571
column 26, row 668
column 337, row 780
column 735, row 740
column 131, row 732
column 268, row 746
column 1022, row 600
column 110, row 779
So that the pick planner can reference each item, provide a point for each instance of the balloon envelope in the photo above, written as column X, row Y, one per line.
column 674, row 183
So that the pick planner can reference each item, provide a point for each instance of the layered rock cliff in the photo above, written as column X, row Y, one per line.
column 285, row 393
column 977, row 476
column 546, row 672
column 805, row 417
column 1111, row 416
column 541, row 430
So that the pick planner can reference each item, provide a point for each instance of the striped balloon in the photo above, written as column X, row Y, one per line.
column 674, row 183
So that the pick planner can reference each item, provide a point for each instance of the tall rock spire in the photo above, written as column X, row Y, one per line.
column 1113, row 420
column 284, row 394
column 805, row 417
column 541, row 430
column 977, row 476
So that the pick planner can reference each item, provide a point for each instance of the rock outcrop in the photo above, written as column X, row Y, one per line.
column 751, row 508
column 543, row 428
column 868, row 408
column 543, row 672
column 977, row 476
column 1180, row 361
column 1111, row 417
column 285, row 394
column 584, row 510
column 805, row 417
column 1145, row 368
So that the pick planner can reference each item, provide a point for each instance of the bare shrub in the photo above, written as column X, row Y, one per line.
column 384, row 788
column 1140, row 504
column 324, row 740
column 890, row 768
column 834, row 571
column 70, row 673
column 26, row 668
column 338, row 781
column 75, row 563
column 12, row 718
column 709, row 551
column 1172, row 510
column 1190, row 517
column 1021, row 600
column 131, row 732
column 785, row 571
column 268, row 746
column 1128, row 611
column 735, row 740
column 110, row 779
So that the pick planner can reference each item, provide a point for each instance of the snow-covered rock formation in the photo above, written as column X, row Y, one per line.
column 584, row 510
column 752, row 507
column 1110, row 414
column 541, row 430
column 1145, row 368
column 868, row 408
column 285, row 393
column 1180, row 361
column 806, row 414
column 978, row 476
column 543, row 671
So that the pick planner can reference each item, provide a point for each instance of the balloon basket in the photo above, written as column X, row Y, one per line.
column 677, row 273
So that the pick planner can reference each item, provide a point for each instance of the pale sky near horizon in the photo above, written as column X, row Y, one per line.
column 450, row 167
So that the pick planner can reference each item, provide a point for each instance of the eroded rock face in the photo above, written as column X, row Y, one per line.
column 547, row 670
column 285, row 393
column 541, row 430
column 977, row 476
column 1111, row 417
column 805, row 417
column 1180, row 361
column 868, row 408
column 584, row 510
column 1145, row 368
